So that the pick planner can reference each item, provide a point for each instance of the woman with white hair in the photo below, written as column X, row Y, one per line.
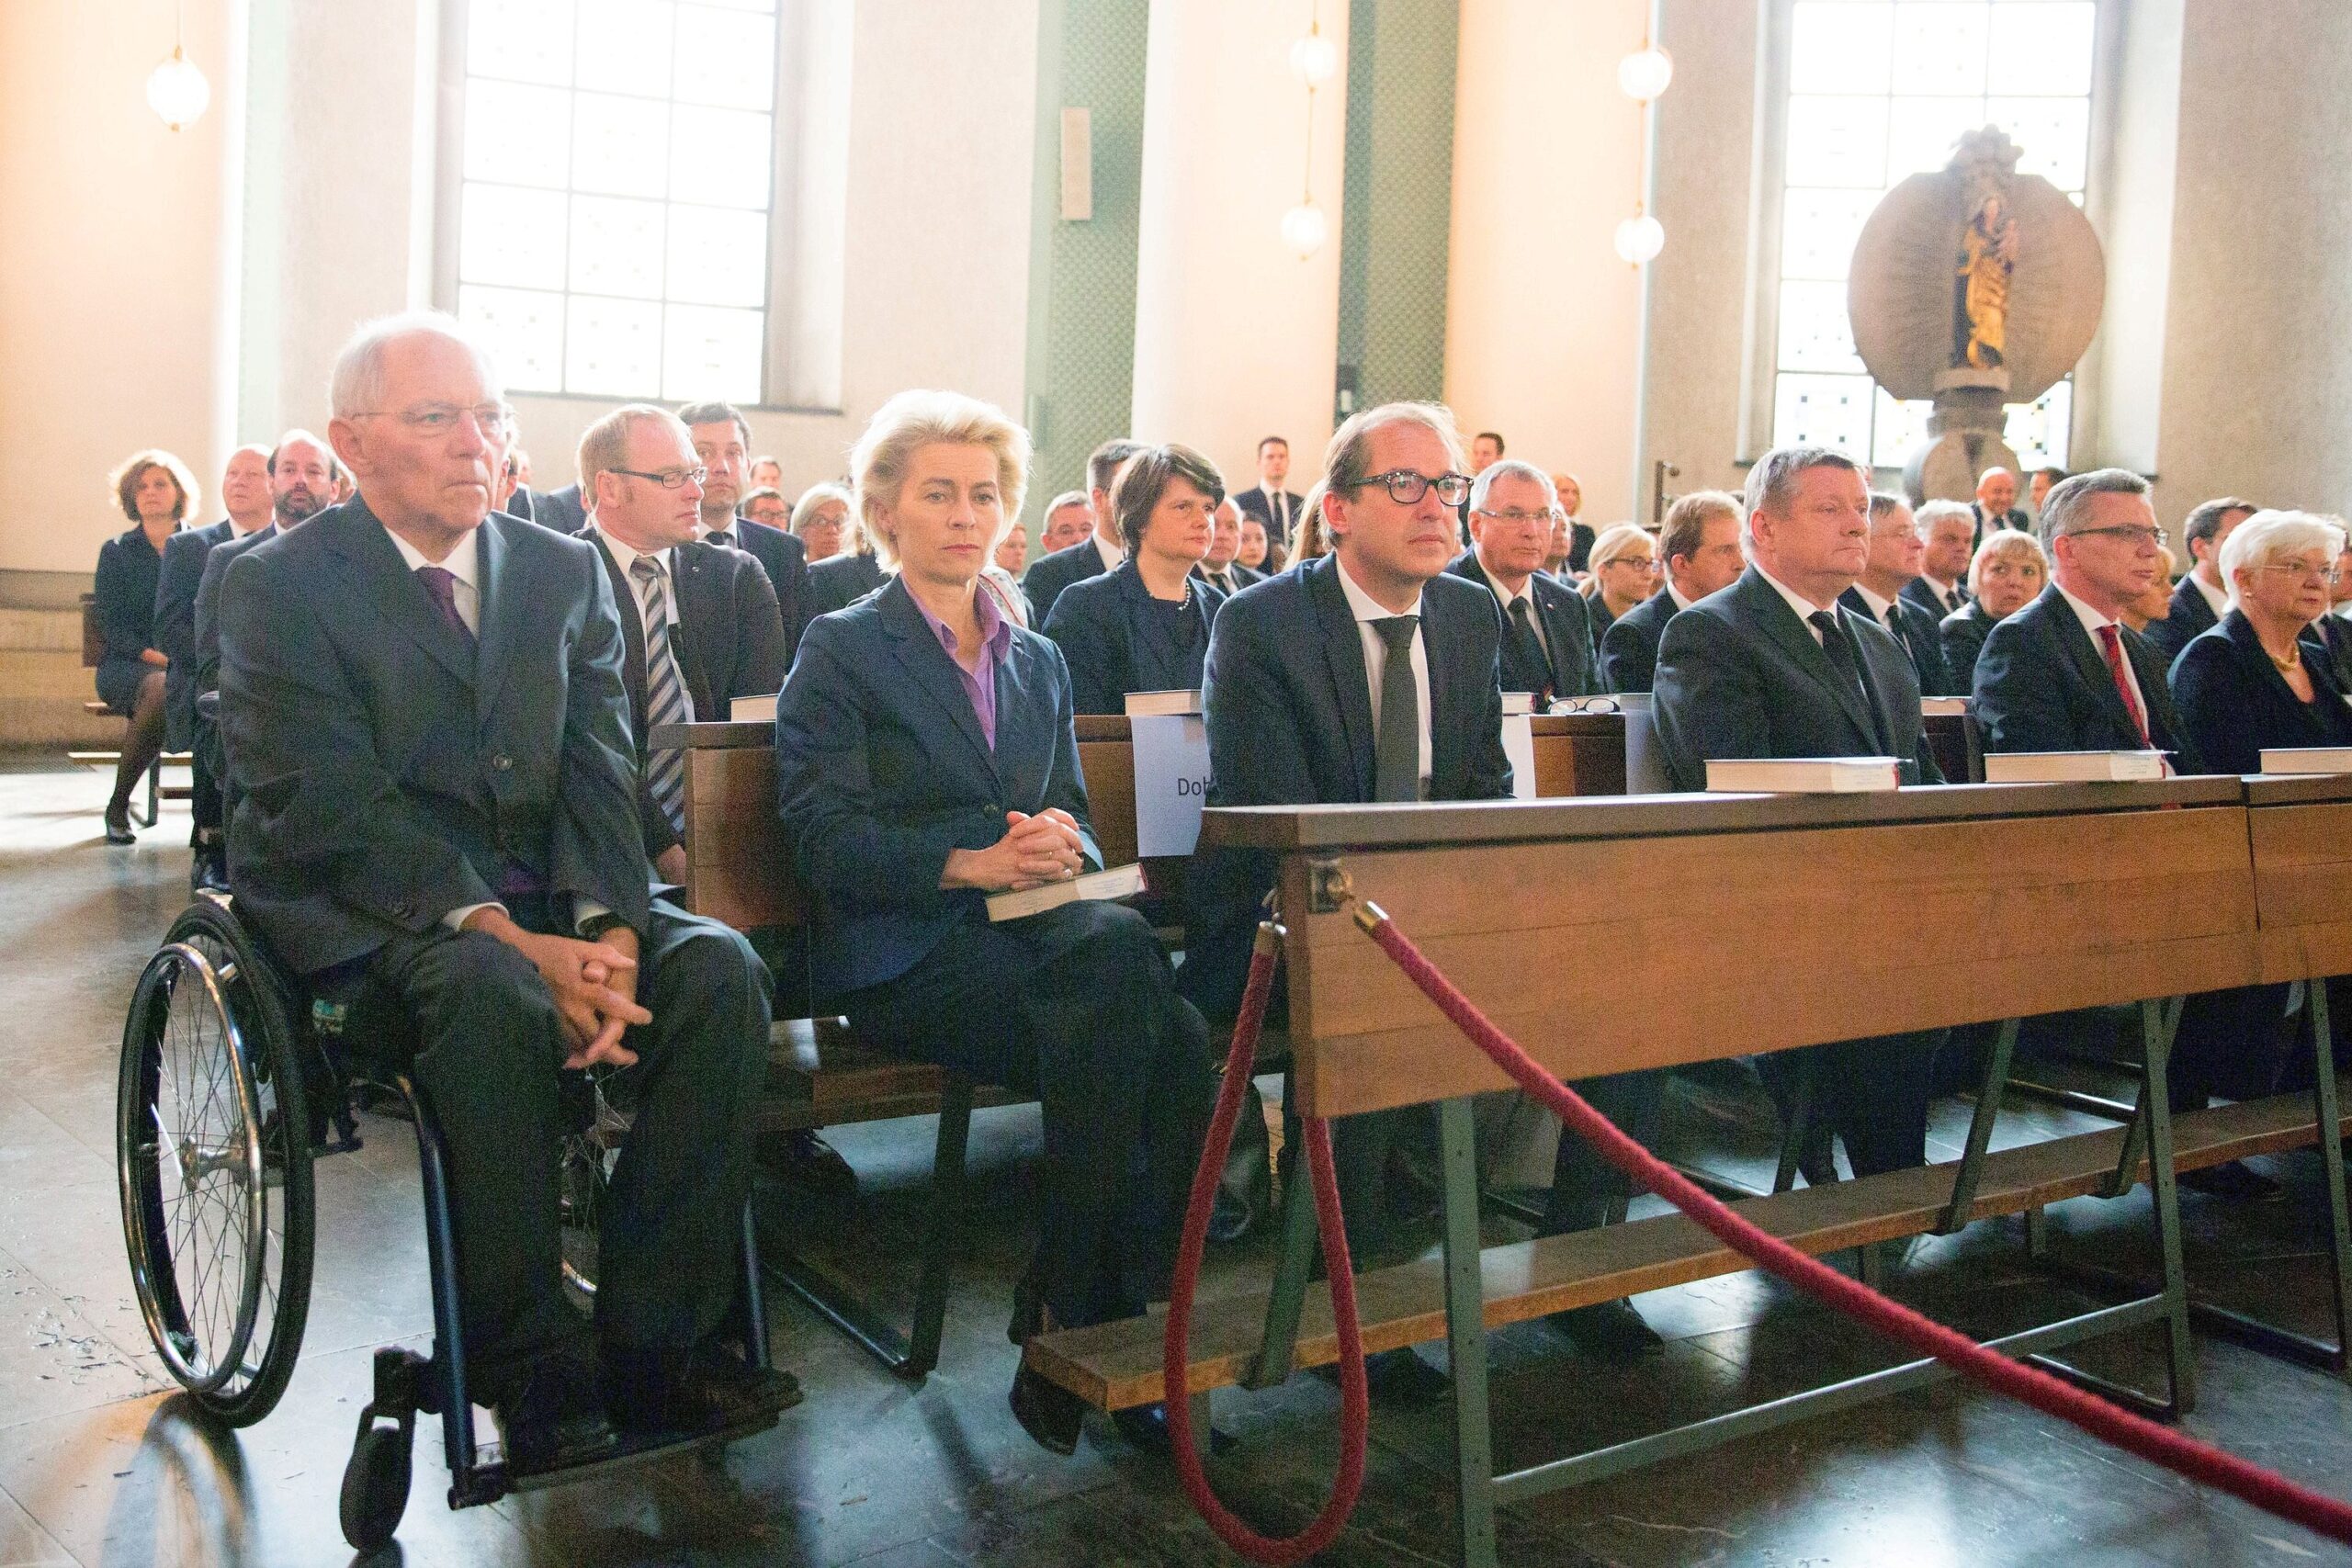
column 2260, row 677
column 926, row 758
column 2005, row 574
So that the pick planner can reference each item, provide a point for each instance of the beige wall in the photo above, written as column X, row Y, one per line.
column 1236, row 337
column 1542, row 322
column 117, row 276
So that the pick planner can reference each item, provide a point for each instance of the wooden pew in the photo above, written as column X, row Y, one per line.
column 2115, row 894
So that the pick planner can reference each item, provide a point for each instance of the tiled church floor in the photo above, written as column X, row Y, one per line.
column 99, row 1465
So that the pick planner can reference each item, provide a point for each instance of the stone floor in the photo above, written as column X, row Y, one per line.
column 98, row 1464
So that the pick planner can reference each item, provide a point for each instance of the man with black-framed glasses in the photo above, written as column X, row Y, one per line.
column 1367, row 674
column 705, row 629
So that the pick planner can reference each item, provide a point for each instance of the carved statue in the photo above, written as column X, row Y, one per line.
column 1988, row 256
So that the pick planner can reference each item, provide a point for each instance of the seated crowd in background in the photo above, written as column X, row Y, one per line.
column 489, row 742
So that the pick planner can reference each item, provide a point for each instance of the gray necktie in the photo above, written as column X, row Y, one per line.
column 1396, row 754
column 665, row 702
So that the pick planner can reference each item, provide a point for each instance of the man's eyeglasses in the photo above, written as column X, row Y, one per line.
column 668, row 479
column 2329, row 575
column 1404, row 486
column 441, row 419
column 2137, row 537
column 1514, row 514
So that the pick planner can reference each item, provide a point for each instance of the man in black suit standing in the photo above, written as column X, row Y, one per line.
column 1101, row 550
column 2065, row 674
column 1218, row 569
column 1774, row 666
column 1894, row 566
column 1267, row 500
column 244, row 491
column 427, row 722
column 1948, row 530
column 723, row 441
column 699, row 620
column 1699, row 546
column 1547, row 637
column 2199, row 598
column 1996, row 503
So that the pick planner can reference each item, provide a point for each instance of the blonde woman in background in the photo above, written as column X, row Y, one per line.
column 1624, row 572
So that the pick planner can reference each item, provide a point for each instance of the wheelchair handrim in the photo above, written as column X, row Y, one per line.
column 156, row 988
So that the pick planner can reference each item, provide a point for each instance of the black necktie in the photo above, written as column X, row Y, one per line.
column 722, row 536
column 1528, row 660
column 1834, row 643
column 1397, row 751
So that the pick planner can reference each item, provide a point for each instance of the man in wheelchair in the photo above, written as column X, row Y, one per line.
column 422, row 707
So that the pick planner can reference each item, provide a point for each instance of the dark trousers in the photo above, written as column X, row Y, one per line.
column 488, row 1049
column 2234, row 1044
column 1585, row 1189
column 1078, row 1006
column 1872, row 1093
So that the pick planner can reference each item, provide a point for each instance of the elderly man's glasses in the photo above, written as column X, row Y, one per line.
column 1514, row 515
column 1404, row 486
column 668, row 479
column 441, row 419
column 2329, row 575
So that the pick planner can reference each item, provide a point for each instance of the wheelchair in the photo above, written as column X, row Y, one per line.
column 232, row 1078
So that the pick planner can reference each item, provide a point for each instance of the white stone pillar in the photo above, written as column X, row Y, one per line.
column 1236, row 337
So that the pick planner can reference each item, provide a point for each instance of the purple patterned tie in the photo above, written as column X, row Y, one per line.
column 441, row 587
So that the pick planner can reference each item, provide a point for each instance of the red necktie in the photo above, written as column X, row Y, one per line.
column 2110, row 638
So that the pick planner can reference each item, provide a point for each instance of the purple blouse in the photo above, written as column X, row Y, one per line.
column 996, row 639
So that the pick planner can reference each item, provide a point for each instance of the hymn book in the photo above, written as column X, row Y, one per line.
column 1944, row 707
column 2306, row 760
column 1802, row 775
column 1518, row 701
column 1143, row 705
column 752, row 710
column 1119, row 882
column 2073, row 767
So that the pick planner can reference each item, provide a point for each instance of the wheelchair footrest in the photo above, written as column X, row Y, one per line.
column 636, row 1449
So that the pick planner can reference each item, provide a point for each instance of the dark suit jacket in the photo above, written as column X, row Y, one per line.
column 729, row 644
column 176, row 584
column 1919, row 592
column 839, row 581
column 2233, row 701
column 882, row 768
column 2014, row 517
column 2334, row 632
column 2043, row 685
column 1962, row 634
column 1045, row 579
column 388, row 774
column 1257, row 502
column 1289, row 715
column 562, row 510
column 786, row 561
column 1099, row 626
column 1582, row 536
column 1739, row 676
column 1567, row 635
column 204, row 731
column 1629, row 648
column 2190, row 616
column 1919, row 637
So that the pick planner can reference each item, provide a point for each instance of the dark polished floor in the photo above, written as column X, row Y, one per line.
column 99, row 1465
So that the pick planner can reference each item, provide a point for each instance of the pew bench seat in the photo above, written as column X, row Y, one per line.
column 1116, row 1366
column 822, row 1074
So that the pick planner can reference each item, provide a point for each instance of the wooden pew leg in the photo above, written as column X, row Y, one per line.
column 1465, row 1336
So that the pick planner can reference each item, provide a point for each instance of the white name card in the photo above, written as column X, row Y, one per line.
column 1519, row 745
column 1171, row 781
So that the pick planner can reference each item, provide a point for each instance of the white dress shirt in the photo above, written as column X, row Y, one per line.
column 1366, row 610
column 1681, row 601
column 2092, row 620
column 1112, row 555
column 2218, row 598
column 1947, row 593
column 1879, row 608
column 626, row 558
column 1805, row 608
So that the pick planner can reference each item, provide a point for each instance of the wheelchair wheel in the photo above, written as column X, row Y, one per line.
column 213, row 1150
column 374, row 1487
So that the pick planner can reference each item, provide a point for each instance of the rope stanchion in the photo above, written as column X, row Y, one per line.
column 1353, row 1415
column 2201, row 1462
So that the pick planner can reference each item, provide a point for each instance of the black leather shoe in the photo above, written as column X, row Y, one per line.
column 1397, row 1378
column 119, row 823
column 1029, row 1315
column 1146, row 1426
column 551, row 1418
column 808, row 1162
column 1049, row 1412
column 208, row 874
column 2236, row 1183
column 704, row 1389
column 1608, row 1331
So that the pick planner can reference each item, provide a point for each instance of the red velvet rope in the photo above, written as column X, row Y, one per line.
column 1354, row 1418
column 2200, row 1462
